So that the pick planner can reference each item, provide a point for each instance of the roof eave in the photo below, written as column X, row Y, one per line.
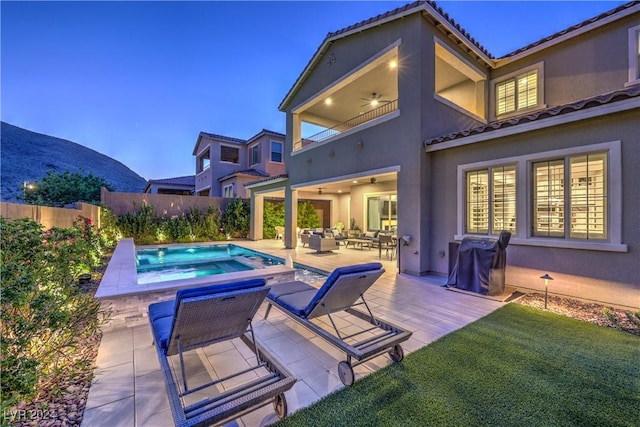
column 560, row 39
column 422, row 7
column 581, row 114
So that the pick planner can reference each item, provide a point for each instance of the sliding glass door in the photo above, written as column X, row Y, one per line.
column 382, row 211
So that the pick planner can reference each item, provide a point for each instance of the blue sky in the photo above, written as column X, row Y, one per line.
column 138, row 81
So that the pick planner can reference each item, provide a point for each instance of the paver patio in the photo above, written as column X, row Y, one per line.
column 128, row 388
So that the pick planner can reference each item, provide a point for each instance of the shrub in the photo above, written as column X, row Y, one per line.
column 307, row 216
column 273, row 216
column 60, row 189
column 109, row 230
column 237, row 216
column 142, row 225
column 146, row 228
column 44, row 314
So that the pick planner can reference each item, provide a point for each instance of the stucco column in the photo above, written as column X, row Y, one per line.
column 290, row 218
column 257, row 214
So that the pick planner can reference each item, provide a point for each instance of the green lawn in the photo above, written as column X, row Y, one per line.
column 518, row 366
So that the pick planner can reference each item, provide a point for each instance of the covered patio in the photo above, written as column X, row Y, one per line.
column 128, row 388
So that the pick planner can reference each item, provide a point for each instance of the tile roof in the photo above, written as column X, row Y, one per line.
column 574, row 28
column 407, row 7
column 253, row 172
column 189, row 180
column 270, row 178
column 265, row 132
column 595, row 101
column 224, row 138
column 421, row 4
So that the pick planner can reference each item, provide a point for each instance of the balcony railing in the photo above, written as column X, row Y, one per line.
column 382, row 110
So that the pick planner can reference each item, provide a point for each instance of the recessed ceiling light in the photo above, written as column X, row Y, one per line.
column 354, row 182
column 393, row 63
column 339, row 191
column 328, row 101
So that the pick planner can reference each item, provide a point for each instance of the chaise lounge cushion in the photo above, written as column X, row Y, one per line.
column 297, row 302
column 168, row 308
column 300, row 298
column 162, row 313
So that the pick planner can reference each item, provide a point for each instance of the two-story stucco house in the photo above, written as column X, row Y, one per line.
column 423, row 130
column 225, row 164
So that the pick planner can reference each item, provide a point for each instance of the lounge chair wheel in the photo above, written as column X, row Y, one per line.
column 396, row 353
column 280, row 405
column 345, row 371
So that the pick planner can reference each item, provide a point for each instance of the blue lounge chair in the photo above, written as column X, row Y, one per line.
column 343, row 290
column 206, row 315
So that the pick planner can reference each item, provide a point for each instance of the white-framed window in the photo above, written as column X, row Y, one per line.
column 276, row 152
column 634, row 56
column 491, row 200
column 254, row 155
column 227, row 191
column 569, row 198
column 229, row 154
column 518, row 92
column 204, row 161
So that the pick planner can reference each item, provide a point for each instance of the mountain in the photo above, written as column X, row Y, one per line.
column 28, row 156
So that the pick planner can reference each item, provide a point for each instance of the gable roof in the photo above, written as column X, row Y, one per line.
column 249, row 172
column 594, row 101
column 218, row 137
column 264, row 132
column 426, row 6
column 266, row 180
column 451, row 28
column 183, row 181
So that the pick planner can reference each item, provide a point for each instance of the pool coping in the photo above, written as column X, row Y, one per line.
column 120, row 277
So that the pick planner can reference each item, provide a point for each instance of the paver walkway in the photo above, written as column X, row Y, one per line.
column 128, row 388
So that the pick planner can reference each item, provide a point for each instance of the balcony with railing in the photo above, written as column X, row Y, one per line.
column 381, row 111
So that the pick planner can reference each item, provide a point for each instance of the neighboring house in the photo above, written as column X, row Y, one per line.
column 225, row 164
column 424, row 131
column 181, row 185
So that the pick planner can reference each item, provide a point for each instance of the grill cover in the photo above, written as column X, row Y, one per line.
column 480, row 265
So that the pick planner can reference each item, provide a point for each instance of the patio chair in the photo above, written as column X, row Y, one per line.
column 384, row 241
column 279, row 232
column 341, row 292
column 323, row 244
column 206, row 315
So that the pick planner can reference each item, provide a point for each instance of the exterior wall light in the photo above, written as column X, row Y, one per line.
column 359, row 145
column 546, row 278
column 331, row 154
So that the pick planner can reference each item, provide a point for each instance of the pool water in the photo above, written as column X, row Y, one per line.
column 192, row 253
column 162, row 264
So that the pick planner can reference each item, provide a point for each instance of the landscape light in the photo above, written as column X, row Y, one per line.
column 546, row 278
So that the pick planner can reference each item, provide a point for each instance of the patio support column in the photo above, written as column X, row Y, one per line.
column 290, row 218
column 256, row 231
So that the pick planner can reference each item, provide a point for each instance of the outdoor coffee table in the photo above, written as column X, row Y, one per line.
column 358, row 242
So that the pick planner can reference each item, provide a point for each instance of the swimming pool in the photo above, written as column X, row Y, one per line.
column 168, row 263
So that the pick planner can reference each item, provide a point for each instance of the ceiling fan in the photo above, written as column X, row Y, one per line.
column 374, row 100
